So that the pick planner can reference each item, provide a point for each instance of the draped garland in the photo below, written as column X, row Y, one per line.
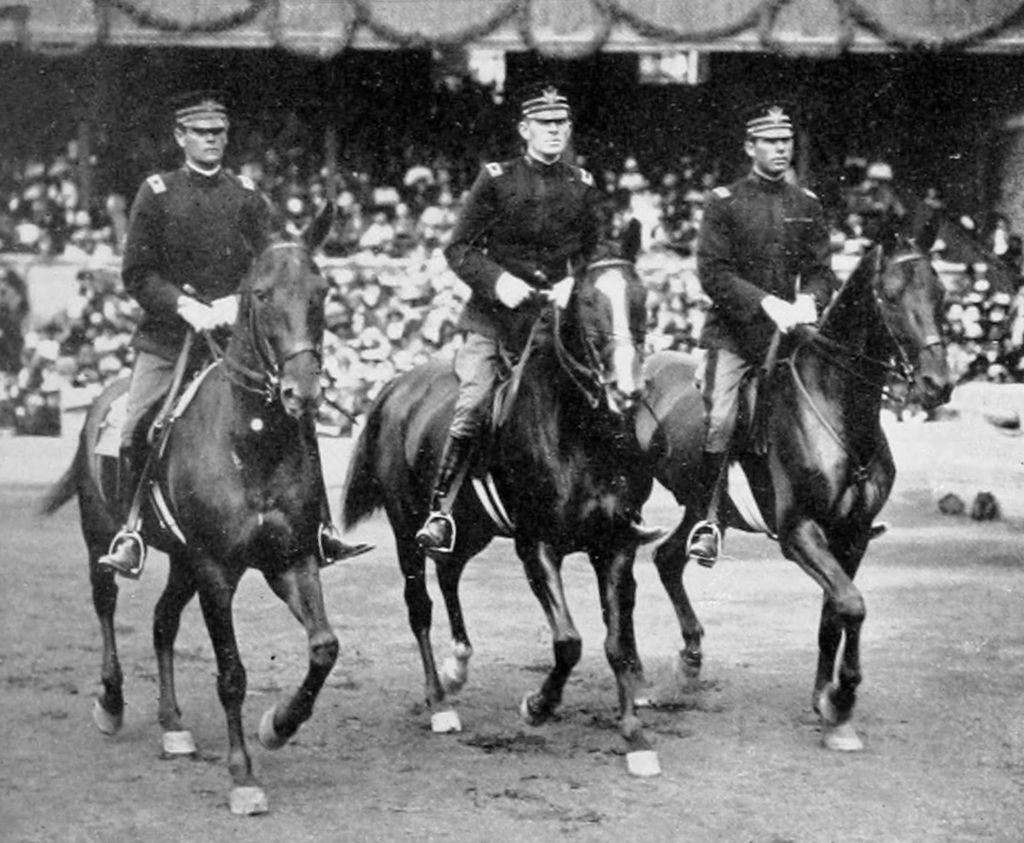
column 762, row 20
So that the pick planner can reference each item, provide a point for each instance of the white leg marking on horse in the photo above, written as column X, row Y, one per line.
column 445, row 722
column 179, row 743
column 643, row 763
column 247, row 801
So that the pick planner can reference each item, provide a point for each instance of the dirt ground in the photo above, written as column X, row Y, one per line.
column 941, row 709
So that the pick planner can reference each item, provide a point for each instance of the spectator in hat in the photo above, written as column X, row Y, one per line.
column 192, row 235
column 759, row 235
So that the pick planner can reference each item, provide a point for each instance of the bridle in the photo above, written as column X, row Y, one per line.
column 586, row 375
column 837, row 354
column 265, row 378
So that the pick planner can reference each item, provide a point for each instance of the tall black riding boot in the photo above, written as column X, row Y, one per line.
column 127, row 552
column 438, row 533
column 705, row 539
column 329, row 542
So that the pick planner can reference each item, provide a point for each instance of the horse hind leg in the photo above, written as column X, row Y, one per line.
column 455, row 668
column 180, row 589
column 108, row 708
column 670, row 560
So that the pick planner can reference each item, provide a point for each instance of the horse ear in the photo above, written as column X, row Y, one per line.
column 319, row 228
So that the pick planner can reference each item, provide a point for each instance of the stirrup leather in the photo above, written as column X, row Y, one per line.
column 129, row 535
column 447, row 519
column 705, row 528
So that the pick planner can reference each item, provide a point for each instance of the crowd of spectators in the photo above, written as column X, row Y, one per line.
column 394, row 301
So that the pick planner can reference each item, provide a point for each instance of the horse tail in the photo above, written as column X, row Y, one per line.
column 67, row 487
column 364, row 494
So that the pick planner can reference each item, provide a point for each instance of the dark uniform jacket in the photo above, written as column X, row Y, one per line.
column 187, row 228
column 759, row 237
column 539, row 222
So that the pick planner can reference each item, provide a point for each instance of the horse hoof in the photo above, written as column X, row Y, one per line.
column 842, row 738
column 179, row 743
column 453, row 675
column 268, row 734
column 247, row 801
column 526, row 711
column 444, row 722
column 109, row 724
column 643, row 763
column 690, row 665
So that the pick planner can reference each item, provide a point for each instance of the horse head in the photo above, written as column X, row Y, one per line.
column 281, row 318
column 608, row 323
column 910, row 297
column 893, row 299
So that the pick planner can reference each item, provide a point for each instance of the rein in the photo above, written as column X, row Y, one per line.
column 584, row 377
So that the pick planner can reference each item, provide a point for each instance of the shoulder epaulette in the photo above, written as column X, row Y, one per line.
column 494, row 169
column 810, row 193
column 586, row 177
column 156, row 183
column 247, row 182
column 722, row 192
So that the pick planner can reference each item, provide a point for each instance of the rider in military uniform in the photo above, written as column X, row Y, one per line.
column 763, row 259
column 192, row 236
column 529, row 225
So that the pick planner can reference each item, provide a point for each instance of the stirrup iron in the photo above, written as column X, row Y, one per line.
column 705, row 528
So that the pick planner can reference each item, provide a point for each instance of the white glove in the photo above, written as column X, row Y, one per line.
column 806, row 310
column 561, row 292
column 225, row 310
column 511, row 291
column 200, row 316
column 781, row 312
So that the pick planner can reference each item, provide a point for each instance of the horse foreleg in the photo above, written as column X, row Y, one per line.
column 842, row 617
column 216, row 592
column 108, row 710
column 543, row 571
column 455, row 670
column 670, row 560
column 300, row 588
column 617, row 588
column 180, row 588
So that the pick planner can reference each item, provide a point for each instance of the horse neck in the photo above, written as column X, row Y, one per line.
column 248, row 380
column 552, row 406
column 844, row 374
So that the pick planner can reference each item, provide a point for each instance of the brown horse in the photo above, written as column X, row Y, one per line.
column 240, row 479
column 564, row 464
column 818, row 463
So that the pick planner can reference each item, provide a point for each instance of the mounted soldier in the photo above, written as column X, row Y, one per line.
column 192, row 236
column 528, row 229
column 763, row 258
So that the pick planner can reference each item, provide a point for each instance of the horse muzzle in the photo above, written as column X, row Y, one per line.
column 933, row 383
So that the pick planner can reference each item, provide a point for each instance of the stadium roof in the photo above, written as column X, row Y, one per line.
column 555, row 27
